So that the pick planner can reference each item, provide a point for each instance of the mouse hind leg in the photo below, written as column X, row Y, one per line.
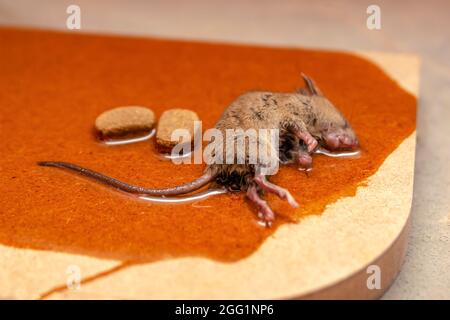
column 268, row 186
column 264, row 211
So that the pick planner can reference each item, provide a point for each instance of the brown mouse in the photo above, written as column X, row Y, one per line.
column 305, row 119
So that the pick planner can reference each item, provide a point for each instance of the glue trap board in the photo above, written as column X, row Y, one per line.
column 67, row 237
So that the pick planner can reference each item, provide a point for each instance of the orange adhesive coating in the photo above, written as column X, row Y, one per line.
column 54, row 85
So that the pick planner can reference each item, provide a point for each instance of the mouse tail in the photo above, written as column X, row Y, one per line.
column 172, row 191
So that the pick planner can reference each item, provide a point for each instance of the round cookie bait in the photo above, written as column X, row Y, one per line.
column 171, row 120
column 122, row 122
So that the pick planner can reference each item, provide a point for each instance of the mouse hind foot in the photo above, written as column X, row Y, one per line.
column 264, row 211
column 282, row 193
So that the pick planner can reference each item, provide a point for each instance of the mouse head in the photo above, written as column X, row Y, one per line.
column 327, row 124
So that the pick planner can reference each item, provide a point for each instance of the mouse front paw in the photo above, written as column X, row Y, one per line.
column 304, row 161
column 309, row 140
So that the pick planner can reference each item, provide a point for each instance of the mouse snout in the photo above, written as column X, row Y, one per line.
column 341, row 141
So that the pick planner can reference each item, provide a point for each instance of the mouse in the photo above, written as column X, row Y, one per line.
column 306, row 121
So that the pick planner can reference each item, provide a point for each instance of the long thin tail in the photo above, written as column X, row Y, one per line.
column 182, row 189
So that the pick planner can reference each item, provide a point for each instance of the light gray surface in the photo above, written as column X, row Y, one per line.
column 420, row 27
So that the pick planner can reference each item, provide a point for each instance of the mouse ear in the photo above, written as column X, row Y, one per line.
column 303, row 91
column 311, row 85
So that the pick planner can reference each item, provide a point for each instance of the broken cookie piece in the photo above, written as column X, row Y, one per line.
column 125, row 122
column 171, row 120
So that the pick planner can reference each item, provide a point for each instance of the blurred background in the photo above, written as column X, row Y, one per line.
column 417, row 27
